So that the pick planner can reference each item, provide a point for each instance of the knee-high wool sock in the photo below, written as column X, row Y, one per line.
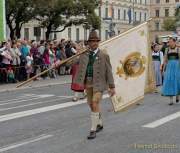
column 94, row 120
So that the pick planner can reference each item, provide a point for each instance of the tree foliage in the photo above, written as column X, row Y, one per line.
column 53, row 14
column 169, row 24
column 18, row 12
column 177, row 15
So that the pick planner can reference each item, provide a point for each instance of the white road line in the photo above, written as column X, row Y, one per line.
column 65, row 96
column 162, row 120
column 20, row 97
column 41, row 102
column 41, row 110
column 20, row 101
column 12, row 146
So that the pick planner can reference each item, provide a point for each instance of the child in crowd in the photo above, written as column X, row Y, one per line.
column 29, row 68
column 10, row 76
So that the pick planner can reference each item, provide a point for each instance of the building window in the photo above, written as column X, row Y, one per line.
column 55, row 36
column 85, row 34
column 157, row 13
column 135, row 16
column 124, row 14
column 77, row 34
column 157, row 26
column 51, row 36
column 106, row 13
column 140, row 1
column 112, row 13
column 37, row 31
column 99, row 11
column 119, row 14
column 119, row 32
column 106, row 34
column 100, row 33
column 69, row 33
column 140, row 16
column 166, row 12
column 26, row 33
column 145, row 17
column 158, row 1
column 167, row 1
column 176, row 1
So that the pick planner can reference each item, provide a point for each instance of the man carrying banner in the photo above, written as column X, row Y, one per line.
column 95, row 72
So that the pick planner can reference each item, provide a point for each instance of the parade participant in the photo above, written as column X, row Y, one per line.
column 78, row 90
column 171, row 84
column 95, row 72
column 157, row 57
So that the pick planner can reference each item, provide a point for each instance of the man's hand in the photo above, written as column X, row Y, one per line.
column 112, row 92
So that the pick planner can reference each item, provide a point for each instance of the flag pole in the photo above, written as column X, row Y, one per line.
column 61, row 63
column 85, row 50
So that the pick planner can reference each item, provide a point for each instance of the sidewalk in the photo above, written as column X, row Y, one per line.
column 35, row 84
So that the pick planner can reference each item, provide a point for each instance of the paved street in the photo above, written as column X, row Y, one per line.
column 44, row 119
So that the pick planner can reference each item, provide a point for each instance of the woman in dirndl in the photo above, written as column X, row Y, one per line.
column 171, row 83
column 78, row 89
column 157, row 60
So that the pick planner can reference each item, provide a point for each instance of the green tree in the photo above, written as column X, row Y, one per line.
column 169, row 24
column 62, row 13
column 18, row 12
column 177, row 15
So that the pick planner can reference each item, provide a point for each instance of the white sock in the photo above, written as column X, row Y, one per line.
column 94, row 120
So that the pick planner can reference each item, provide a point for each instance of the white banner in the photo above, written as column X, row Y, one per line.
column 129, row 58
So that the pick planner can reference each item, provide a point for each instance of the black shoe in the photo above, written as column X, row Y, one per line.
column 92, row 135
column 99, row 128
column 177, row 100
column 170, row 104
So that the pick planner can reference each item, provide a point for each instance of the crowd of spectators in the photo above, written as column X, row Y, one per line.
column 21, row 59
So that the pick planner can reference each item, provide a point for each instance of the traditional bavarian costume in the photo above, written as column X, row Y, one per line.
column 95, row 72
column 171, row 84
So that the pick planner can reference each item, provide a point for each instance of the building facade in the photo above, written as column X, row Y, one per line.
column 159, row 11
column 116, row 16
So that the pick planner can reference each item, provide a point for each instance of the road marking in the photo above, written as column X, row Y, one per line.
column 41, row 102
column 20, row 97
column 19, row 101
column 163, row 120
column 12, row 146
column 65, row 96
column 42, row 110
